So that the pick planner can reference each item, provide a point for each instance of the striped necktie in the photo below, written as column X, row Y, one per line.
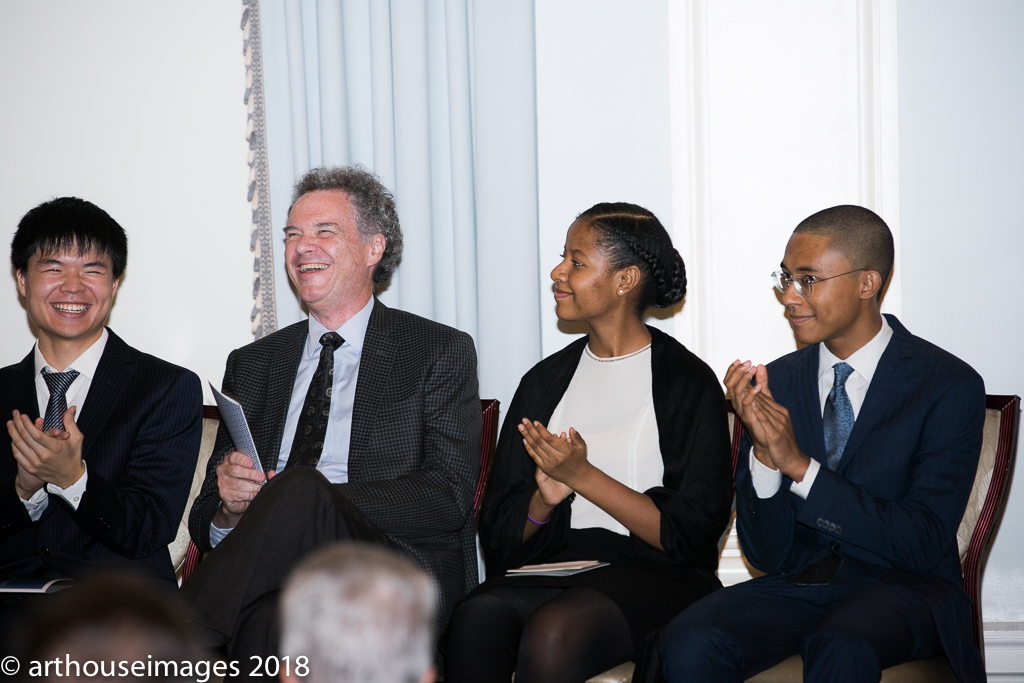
column 58, row 383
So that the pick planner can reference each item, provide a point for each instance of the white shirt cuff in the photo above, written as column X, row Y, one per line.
column 802, row 488
column 766, row 480
column 35, row 506
column 72, row 494
column 217, row 534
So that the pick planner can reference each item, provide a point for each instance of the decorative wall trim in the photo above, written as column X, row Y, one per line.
column 878, row 94
column 1004, row 651
column 264, row 310
column 691, row 191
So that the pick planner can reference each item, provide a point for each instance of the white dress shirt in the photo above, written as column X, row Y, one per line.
column 334, row 457
column 610, row 403
column 864, row 361
column 85, row 365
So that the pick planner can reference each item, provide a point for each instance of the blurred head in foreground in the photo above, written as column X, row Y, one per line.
column 361, row 614
column 101, row 627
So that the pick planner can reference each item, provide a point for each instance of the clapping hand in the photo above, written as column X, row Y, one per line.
column 767, row 422
column 563, row 459
column 551, row 492
column 742, row 393
column 50, row 457
column 778, row 432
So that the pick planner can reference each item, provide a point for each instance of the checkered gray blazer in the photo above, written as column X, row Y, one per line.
column 415, row 444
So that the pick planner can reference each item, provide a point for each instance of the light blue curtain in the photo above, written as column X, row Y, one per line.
column 437, row 97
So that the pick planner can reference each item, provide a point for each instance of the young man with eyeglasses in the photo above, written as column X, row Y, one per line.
column 858, row 459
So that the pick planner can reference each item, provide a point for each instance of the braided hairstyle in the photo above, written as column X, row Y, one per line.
column 630, row 235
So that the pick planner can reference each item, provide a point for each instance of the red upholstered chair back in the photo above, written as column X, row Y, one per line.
column 988, row 497
column 736, row 430
column 488, row 442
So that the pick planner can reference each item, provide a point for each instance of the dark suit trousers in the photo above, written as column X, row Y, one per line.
column 847, row 630
column 233, row 592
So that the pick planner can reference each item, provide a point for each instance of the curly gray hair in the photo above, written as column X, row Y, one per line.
column 374, row 205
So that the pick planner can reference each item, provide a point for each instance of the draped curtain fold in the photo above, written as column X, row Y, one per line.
column 438, row 99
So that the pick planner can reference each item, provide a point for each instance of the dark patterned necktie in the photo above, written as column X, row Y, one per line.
column 311, row 431
column 58, row 383
column 837, row 419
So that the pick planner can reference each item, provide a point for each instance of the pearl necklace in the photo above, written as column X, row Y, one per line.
column 617, row 358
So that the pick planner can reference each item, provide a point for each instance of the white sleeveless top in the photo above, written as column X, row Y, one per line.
column 610, row 403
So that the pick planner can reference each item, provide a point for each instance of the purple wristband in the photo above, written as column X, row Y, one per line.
column 532, row 520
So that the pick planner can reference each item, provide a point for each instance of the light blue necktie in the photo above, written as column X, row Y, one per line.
column 837, row 419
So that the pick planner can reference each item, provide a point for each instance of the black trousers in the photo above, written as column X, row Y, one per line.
column 846, row 631
column 232, row 594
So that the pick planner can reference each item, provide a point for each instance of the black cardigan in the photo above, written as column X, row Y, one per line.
column 695, row 500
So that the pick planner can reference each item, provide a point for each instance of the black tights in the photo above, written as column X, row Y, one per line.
column 544, row 635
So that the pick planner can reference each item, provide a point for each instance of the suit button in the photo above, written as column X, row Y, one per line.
column 834, row 545
column 44, row 551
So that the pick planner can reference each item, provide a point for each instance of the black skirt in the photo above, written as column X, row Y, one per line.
column 650, row 592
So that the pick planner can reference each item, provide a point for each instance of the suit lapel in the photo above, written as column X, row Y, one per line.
column 371, row 385
column 280, row 382
column 105, row 390
column 23, row 393
column 886, row 384
column 807, row 408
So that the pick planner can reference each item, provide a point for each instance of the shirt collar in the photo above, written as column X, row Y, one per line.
column 85, row 364
column 353, row 330
column 864, row 360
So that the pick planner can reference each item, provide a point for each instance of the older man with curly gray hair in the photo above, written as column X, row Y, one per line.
column 366, row 420
column 358, row 614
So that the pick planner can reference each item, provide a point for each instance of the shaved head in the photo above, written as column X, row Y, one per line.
column 857, row 233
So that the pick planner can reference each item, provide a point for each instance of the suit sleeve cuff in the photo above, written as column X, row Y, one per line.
column 766, row 480
column 802, row 488
column 36, row 505
column 72, row 494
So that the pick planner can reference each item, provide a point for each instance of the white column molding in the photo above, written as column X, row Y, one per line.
column 691, row 191
column 878, row 94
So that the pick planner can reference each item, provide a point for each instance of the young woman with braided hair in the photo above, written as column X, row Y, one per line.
column 616, row 448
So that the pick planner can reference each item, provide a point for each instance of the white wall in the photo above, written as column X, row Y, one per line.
column 962, row 179
column 137, row 107
column 602, row 123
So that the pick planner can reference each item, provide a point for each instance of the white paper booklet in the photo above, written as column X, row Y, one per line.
column 34, row 585
column 556, row 568
column 233, row 417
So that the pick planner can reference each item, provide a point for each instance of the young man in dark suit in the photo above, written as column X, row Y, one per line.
column 366, row 420
column 860, row 454
column 101, row 440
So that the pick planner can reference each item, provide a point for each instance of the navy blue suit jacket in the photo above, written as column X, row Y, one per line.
column 897, row 498
column 141, row 424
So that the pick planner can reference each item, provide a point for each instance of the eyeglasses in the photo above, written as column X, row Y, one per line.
column 803, row 283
